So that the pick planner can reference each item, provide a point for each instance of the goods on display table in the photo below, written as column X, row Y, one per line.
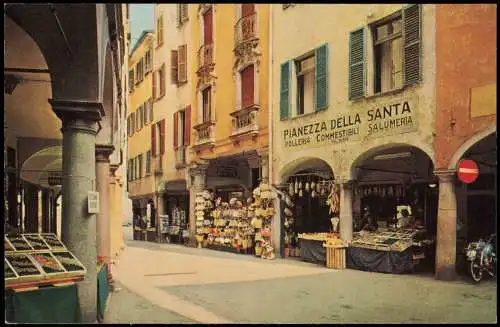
column 388, row 251
column 311, row 246
column 39, row 266
column 238, row 225
column 174, row 228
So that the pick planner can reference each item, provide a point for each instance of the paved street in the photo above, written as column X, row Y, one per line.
column 176, row 284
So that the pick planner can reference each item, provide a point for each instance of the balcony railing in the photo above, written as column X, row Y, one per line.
column 205, row 56
column 180, row 157
column 158, row 161
column 246, row 29
column 245, row 121
column 205, row 133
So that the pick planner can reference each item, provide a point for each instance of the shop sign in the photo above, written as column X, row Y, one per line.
column 392, row 118
column 467, row 171
column 227, row 171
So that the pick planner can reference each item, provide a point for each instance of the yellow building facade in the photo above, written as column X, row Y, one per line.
column 140, row 116
column 229, row 98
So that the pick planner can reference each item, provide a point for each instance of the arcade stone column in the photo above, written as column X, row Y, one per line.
column 102, row 153
column 446, row 237
column 79, row 128
column 198, row 173
column 345, row 216
column 114, row 216
column 264, row 165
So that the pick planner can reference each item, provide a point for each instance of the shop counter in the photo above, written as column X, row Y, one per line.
column 312, row 251
column 380, row 261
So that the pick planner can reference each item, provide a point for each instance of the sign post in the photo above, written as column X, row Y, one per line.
column 467, row 171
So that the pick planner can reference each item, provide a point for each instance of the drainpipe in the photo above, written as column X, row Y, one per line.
column 270, row 97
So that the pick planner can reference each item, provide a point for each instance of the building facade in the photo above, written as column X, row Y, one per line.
column 353, row 103
column 140, row 117
column 64, row 117
column 465, row 128
column 229, row 99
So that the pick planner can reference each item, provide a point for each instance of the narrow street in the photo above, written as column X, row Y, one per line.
column 176, row 284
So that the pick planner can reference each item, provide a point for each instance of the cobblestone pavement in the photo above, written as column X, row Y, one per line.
column 216, row 287
column 125, row 307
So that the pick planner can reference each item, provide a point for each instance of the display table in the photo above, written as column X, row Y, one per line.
column 380, row 261
column 312, row 251
column 46, row 305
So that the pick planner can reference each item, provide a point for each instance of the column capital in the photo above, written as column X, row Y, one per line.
column 345, row 183
column 445, row 175
column 103, row 151
column 113, row 168
column 77, row 109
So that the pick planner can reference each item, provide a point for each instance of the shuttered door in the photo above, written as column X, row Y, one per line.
column 176, row 129
column 285, row 90
column 174, row 66
column 356, row 64
column 207, row 27
column 153, row 139
column 412, row 37
column 247, row 9
column 247, row 86
column 187, row 124
column 162, row 137
column 321, row 95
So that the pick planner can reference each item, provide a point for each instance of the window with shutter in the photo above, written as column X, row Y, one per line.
column 132, row 121
column 187, row 126
column 153, row 139
column 137, row 120
column 285, row 90
column 128, row 125
column 247, row 9
column 176, row 129
column 206, row 96
column 162, row 137
column 207, row 27
column 155, row 76
column 412, row 16
column 162, row 81
column 174, row 66
column 356, row 63
column 182, row 14
column 131, row 80
column 148, row 162
column 182, row 67
column 305, row 69
column 181, row 125
column 247, row 87
column 321, row 95
column 159, row 31
column 139, row 159
column 150, row 102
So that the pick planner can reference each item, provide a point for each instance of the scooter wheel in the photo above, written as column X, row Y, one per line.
column 476, row 271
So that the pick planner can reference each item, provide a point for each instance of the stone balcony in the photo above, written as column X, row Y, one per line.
column 246, row 31
column 245, row 121
column 206, row 58
column 205, row 134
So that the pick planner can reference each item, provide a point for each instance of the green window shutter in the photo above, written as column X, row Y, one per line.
column 285, row 90
column 357, row 63
column 321, row 94
column 412, row 16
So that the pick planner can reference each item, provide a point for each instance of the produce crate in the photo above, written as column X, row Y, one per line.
column 335, row 257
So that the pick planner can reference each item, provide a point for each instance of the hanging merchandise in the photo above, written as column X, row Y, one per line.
column 306, row 187
column 318, row 188
column 296, row 187
column 300, row 185
column 313, row 194
column 290, row 189
column 265, row 211
column 300, row 193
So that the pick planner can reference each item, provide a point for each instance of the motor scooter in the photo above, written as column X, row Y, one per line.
column 481, row 257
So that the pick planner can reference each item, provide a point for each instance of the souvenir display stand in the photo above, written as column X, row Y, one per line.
column 40, row 275
column 241, row 226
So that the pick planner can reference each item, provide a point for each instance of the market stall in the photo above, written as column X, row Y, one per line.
column 40, row 276
column 240, row 225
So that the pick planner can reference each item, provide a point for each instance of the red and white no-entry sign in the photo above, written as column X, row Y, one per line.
column 467, row 171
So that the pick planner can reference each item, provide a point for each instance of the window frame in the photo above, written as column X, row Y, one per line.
column 181, row 19
column 377, row 80
column 159, row 31
column 310, row 55
column 148, row 163
column 208, row 90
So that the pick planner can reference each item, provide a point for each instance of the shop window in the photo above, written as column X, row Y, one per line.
column 159, row 31
column 247, row 86
column 148, row 162
column 182, row 14
column 206, row 96
column 388, row 55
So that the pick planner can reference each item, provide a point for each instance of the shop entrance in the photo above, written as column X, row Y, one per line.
column 395, row 198
column 477, row 202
